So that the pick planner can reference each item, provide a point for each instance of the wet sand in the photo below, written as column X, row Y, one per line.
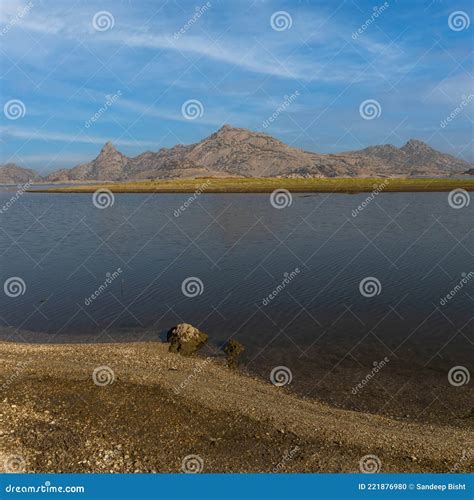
column 161, row 412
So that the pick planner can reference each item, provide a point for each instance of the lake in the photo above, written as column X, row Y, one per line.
column 352, row 302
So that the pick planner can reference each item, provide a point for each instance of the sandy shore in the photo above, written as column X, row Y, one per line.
column 162, row 408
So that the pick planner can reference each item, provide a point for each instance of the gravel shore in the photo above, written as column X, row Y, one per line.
column 135, row 407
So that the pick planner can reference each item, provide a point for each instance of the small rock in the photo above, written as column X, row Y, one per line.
column 233, row 350
column 185, row 339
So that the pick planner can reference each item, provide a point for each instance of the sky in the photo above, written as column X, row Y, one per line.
column 325, row 76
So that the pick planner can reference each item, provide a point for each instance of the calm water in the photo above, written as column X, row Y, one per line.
column 318, row 324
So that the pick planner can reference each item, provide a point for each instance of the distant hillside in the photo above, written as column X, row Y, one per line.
column 240, row 152
column 416, row 158
column 13, row 174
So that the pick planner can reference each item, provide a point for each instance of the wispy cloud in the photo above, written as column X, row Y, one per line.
column 79, row 137
column 259, row 51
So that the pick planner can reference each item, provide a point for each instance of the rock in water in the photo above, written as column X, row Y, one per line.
column 185, row 339
column 233, row 350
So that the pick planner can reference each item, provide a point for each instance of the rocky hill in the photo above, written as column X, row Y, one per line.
column 240, row 152
column 416, row 158
column 109, row 165
column 13, row 174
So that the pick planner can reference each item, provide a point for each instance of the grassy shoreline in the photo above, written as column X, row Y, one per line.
column 267, row 185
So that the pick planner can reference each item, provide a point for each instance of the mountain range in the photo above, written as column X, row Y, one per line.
column 240, row 152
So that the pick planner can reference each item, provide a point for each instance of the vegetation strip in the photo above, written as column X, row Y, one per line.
column 267, row 185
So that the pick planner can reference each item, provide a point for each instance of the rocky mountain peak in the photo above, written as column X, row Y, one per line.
column 231, row 136
column 228, row 131
column 109, row 164
column 414, row 145
column 226, row 128
column 108, row 149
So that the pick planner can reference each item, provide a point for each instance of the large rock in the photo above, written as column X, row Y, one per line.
column 185, row 339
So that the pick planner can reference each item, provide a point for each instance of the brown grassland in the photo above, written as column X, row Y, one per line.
column 269, row 184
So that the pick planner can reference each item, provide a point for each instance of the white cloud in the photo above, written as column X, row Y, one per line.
column 452, row 90
column 258, row 51
column 80, row 137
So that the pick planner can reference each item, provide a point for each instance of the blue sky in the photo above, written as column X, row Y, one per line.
column 157, row 55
